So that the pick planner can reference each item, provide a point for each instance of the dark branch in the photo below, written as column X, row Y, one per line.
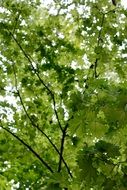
column 52, row 96
column 95, row 68
column 36, row 126
column 114, row 2
column 39, row 129
column 50, row 92
column 62, row 146
column 37, row 74
column 29, row 148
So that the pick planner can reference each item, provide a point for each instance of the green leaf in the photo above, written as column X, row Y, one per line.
column 63, row 95
column 110, row 149
column 98, row 49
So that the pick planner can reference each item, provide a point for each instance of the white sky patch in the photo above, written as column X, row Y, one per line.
column 99, row 28
column 53, row 11
column 61, row 35
column 71, row 7
column 80, row 9
column 109, row 44
column 4, row 10
column 6, row 110
column 124, row 3
column 124, row 55
column 112, row 76
column 34, row 65
column 15, row 185
column 74, row 64
column 9, row 99
column 23, row 23
column 68, row 16
column 86, row 62
column 79, row 89
column 66, row 115
column 46, row 2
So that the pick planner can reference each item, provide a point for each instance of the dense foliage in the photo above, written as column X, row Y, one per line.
column 63, row 95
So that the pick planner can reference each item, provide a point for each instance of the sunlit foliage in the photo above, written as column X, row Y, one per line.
column 63, row 95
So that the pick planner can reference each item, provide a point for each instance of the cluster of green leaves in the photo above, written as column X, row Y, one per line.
column 63, row 107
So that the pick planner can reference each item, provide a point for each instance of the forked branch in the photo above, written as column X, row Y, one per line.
column 62, row 145
column 37, row 126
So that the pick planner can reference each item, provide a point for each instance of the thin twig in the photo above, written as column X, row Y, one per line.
column 29, row 148
column 16, row 21
column 53, row 98
column 100, row 31
column 94, row 65
column 98, row 44
column 37, row 74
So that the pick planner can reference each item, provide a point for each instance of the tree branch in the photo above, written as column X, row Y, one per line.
column 50, row 92
column 39, row 129
column 99, row 40
column 114, row 2
column 62, row 145
column 37, row 126
column 29, row 148
column 54, row 104
column 52, row 96
column 40, row 79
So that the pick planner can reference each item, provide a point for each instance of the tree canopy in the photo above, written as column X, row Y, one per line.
column 63, row 95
